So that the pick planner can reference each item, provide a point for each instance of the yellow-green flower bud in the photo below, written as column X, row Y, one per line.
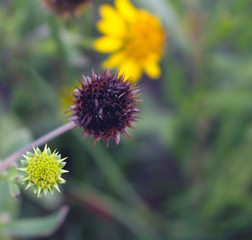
column 42, row 170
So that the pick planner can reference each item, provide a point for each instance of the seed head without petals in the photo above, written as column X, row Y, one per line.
column 104, row 106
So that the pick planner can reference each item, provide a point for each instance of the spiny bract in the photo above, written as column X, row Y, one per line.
column 105, row 105
column 43, row 170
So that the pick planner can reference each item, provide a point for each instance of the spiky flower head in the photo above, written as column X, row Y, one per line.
column 67, row 7
column 105, row 105
column 43, row 170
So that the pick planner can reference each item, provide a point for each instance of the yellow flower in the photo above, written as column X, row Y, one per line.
column 134, row 36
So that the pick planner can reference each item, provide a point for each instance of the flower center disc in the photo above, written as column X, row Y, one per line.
column 43, row 170
column 145, row 37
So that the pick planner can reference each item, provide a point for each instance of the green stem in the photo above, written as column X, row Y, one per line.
column 42, row 140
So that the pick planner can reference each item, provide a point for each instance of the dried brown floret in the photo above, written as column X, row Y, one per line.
column 105, row 105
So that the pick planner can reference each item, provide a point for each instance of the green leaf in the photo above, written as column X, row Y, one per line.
column 2, row 176
column 126, row 215
column 156, row 121
column 12, row 172
column 228, row 101
column 7, row 203
column 14, row 190
column 35, row 227
column 12, row 135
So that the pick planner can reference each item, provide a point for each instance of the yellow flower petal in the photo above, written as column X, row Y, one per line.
column 111, row 28
column 107, row 44
column 108, row 12
column 112, row 23
column 131, row 69
column 126, row 9
column 152, row 68
column 114, row 60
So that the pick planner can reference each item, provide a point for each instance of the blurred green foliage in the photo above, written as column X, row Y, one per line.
column 187, row 171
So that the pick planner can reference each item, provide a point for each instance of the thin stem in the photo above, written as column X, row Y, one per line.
column 42, row 140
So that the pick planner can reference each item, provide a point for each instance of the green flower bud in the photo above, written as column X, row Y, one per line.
column 42, row 170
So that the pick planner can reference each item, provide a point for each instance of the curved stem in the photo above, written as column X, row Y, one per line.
column 42, row 140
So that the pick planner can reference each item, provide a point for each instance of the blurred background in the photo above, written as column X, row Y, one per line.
column 185, row 174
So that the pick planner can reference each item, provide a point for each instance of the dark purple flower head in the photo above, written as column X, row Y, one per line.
column 105, row 105
column 66, row 7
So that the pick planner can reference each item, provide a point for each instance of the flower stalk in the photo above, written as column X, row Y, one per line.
column 42, row 140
